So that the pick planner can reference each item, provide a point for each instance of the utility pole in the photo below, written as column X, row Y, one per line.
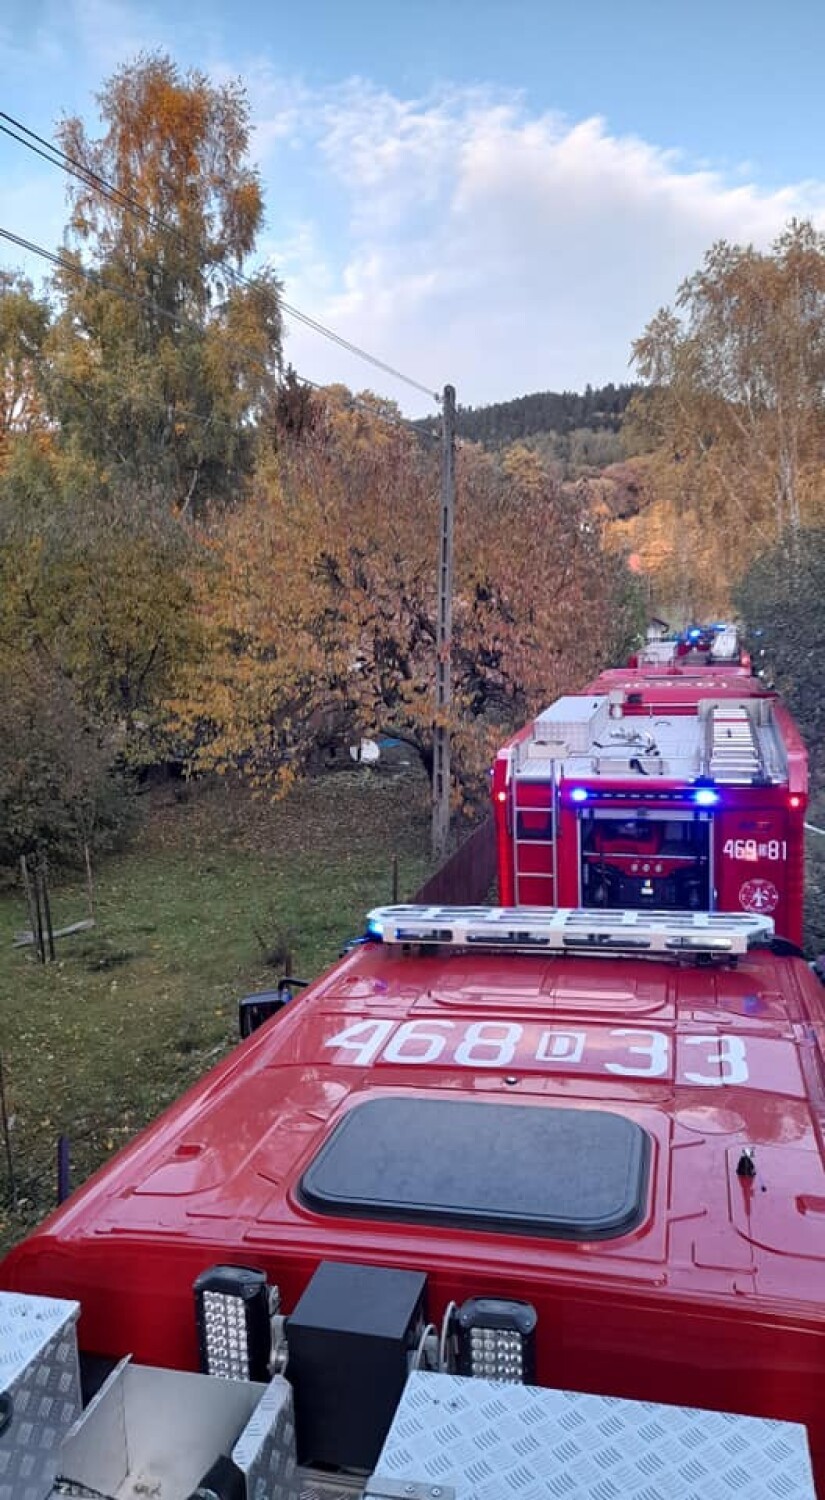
column 444, row 631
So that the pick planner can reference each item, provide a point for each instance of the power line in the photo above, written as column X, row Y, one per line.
column 92, row 276
column 73, row 268
column 59, row 158
column 354, row 349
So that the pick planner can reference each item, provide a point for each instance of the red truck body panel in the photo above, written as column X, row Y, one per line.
column 714, row 1299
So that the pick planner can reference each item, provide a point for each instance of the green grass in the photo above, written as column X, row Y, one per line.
column 213, row 887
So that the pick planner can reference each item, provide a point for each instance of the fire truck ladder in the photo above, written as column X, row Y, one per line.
column 569, row 930
column 524, row 867
column 734, row 754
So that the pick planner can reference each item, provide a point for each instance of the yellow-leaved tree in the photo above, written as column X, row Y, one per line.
column 735, row 409
column 24, row 322
column 318, row 598
column 161, row 356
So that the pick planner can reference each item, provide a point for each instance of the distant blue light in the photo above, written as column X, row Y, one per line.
column 374, row 929
column 706, row 797
column 579, row 794
column 694, row 635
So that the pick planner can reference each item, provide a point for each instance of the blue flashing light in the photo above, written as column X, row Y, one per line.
column 694, row 635
column 579, row 794
column 706, row 797
column 351, row 944
column 374, row 929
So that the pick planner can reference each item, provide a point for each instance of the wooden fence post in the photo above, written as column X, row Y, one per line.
column 31, row 885
column 43, row 873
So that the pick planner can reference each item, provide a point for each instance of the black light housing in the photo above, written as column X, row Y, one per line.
column 234, row 1330
column 253, row 1010
column 497, row 1340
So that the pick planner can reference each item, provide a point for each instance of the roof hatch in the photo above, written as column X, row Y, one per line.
column 574, row 1174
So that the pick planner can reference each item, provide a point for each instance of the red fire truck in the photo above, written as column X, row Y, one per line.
column 506, row 1204
column 699, row 646
column 677, row 783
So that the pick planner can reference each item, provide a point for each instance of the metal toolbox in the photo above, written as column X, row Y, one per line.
column 40, row 1386
column 470, row 1439
column 155, row 1433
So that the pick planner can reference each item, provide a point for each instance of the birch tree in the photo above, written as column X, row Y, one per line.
column 162, row 356
column 736, row 406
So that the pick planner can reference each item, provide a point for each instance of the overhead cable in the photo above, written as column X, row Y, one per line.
column 59, row 158
column 95, row 278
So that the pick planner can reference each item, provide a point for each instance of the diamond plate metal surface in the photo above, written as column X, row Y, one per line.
column 265, row 1450
column 39, row 1371
column 492, row 1441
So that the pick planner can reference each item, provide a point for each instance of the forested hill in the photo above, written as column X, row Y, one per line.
column 600, row 409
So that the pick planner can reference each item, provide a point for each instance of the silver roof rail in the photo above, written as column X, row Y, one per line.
column 543, row 929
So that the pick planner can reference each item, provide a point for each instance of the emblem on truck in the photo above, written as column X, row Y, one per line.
column 759, row 896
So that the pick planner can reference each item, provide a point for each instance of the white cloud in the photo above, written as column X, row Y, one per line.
column 501, row 251
column 459, row 236
column 107, row 33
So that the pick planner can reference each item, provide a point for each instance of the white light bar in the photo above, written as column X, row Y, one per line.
column 547, row 929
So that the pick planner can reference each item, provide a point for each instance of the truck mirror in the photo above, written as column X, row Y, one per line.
column 253, row 1010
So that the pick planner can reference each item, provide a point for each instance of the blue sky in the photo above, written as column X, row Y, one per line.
column 498, row 195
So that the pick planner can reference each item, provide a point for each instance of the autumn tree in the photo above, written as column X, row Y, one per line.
column 24, row 320
column 736, row 405
column 781, row 599
column 164, row 352
column 60, row 793
column 682, row 562
column 95, row 612
column 136, row 401
column 94, row 585
column 319, row 601
column 316, row 595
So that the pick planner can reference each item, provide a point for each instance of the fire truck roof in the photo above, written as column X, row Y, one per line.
column 679, row 686
column 660, row 1121
column 729, row 741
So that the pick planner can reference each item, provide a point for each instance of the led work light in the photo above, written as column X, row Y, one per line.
column 497, row 1340
column 234, row 1332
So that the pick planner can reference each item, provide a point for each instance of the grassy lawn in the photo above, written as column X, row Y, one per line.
column 96, row 1044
